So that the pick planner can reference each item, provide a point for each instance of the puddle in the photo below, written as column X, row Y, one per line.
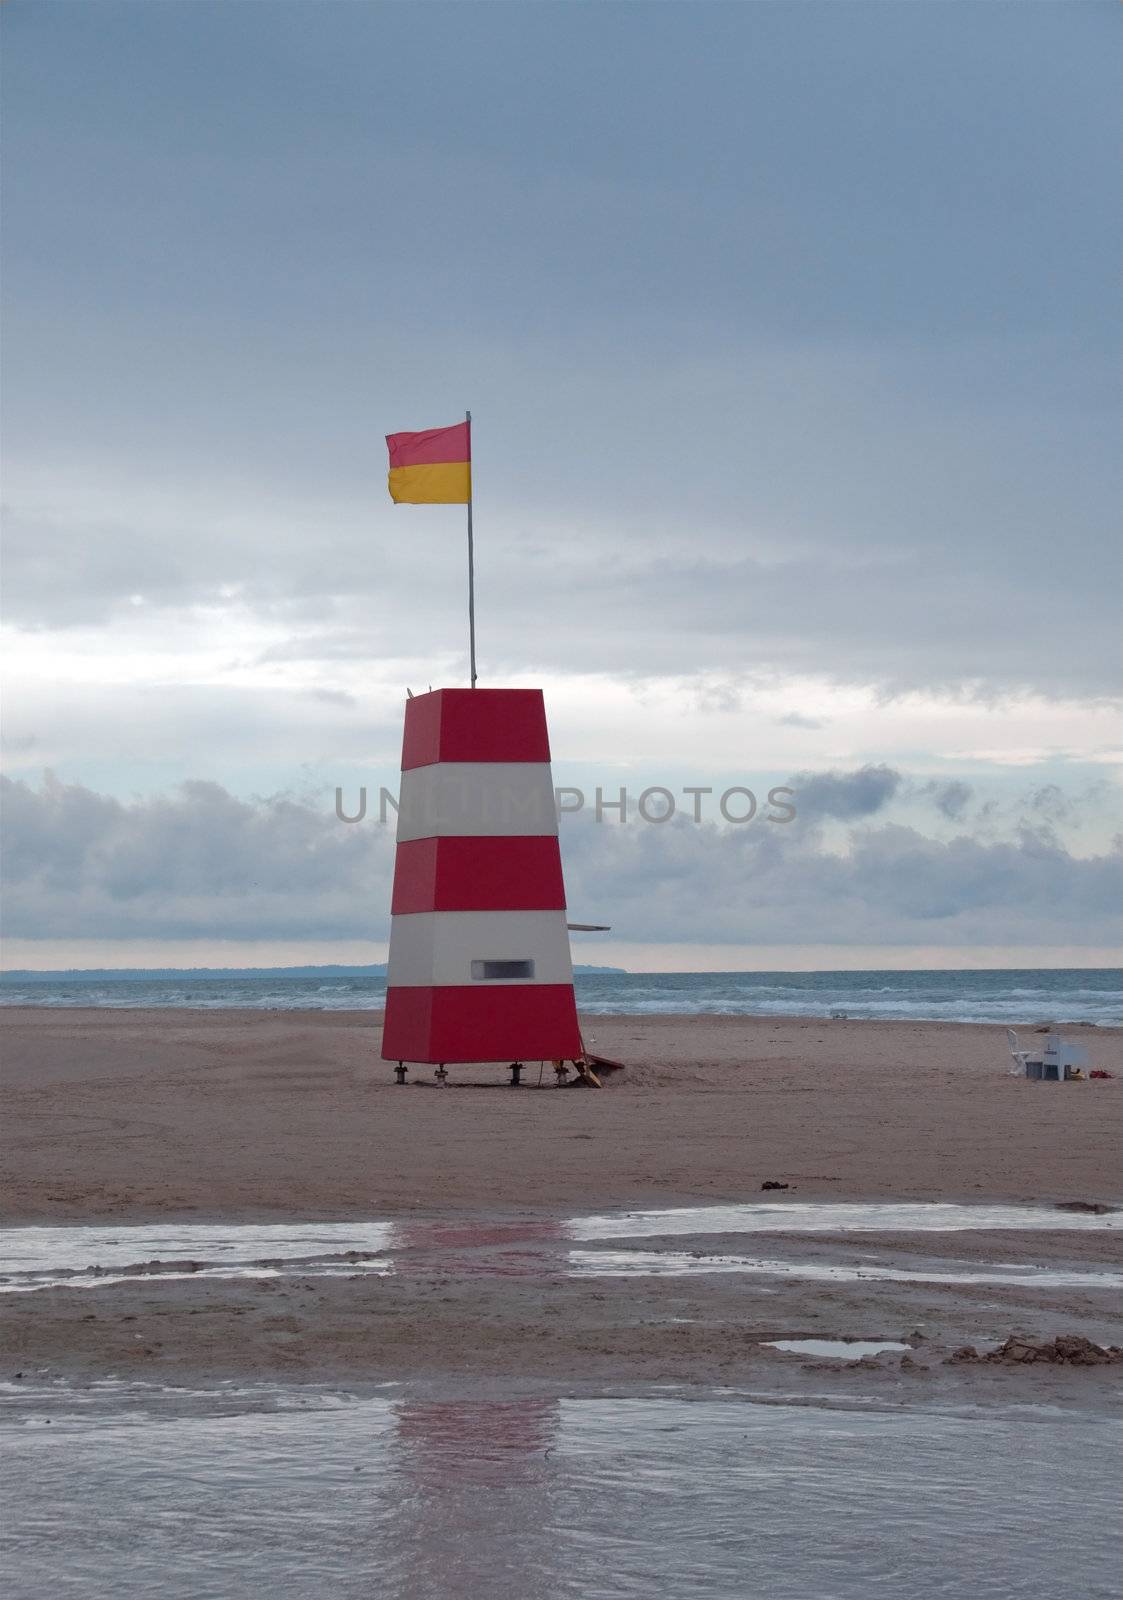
column 837, row 1349
column 172, row 1272
column 790, row 1216
column 81, row 1246
column 543, row 1498
column 90, row 1257
column 40, row 1400
column 683, row 1263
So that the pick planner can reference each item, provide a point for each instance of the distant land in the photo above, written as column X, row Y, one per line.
column 203, row 974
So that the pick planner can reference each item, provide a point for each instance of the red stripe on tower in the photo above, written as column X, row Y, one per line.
column 462, row 874
column 475, row 725
column 480, row 967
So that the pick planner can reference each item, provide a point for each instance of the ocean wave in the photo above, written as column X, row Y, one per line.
column 1019, row 998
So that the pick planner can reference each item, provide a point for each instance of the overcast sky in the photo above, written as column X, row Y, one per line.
column 791, row 338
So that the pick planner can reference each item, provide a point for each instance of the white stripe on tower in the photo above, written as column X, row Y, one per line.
column 477, row 799
column 440, row 947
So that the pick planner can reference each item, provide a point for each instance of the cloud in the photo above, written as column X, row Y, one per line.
column 640, row 594
column 892, row 885
column 1044, row 810
column 950, row 797
column 1050, row 805
column 795, row 719
column 198, row 863
column 849, row 419
column 845, row 795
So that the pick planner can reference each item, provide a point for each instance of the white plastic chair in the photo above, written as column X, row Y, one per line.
column 1018, row 1070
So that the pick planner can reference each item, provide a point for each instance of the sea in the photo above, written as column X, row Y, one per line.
column 1019, row 995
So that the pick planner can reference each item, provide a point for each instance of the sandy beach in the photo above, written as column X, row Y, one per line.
column 149, row 1118
column 145, row 1114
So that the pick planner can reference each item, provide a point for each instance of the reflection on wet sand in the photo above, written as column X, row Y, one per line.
column 299, row 1493
column 479, row 1496
column 501, row 1249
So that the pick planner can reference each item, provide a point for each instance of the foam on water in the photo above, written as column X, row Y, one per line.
column 1020, row 997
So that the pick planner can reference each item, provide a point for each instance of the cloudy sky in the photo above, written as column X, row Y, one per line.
column 790, row 335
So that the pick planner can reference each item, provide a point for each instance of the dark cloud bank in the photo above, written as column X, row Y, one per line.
column 200, row 863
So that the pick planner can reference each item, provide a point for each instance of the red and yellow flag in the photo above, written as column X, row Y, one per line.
column 431, row 468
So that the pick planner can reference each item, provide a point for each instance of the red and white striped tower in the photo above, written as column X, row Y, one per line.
column 480, row 968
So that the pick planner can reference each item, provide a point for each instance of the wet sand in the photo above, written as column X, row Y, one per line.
column 485, row 1300
column 143, row 1114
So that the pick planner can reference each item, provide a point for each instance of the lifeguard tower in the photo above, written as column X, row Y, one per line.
column 480, row 967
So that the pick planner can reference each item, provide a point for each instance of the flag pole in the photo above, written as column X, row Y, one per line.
column 471, row 563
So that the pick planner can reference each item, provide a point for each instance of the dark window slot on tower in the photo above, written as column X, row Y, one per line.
column 502, row 969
